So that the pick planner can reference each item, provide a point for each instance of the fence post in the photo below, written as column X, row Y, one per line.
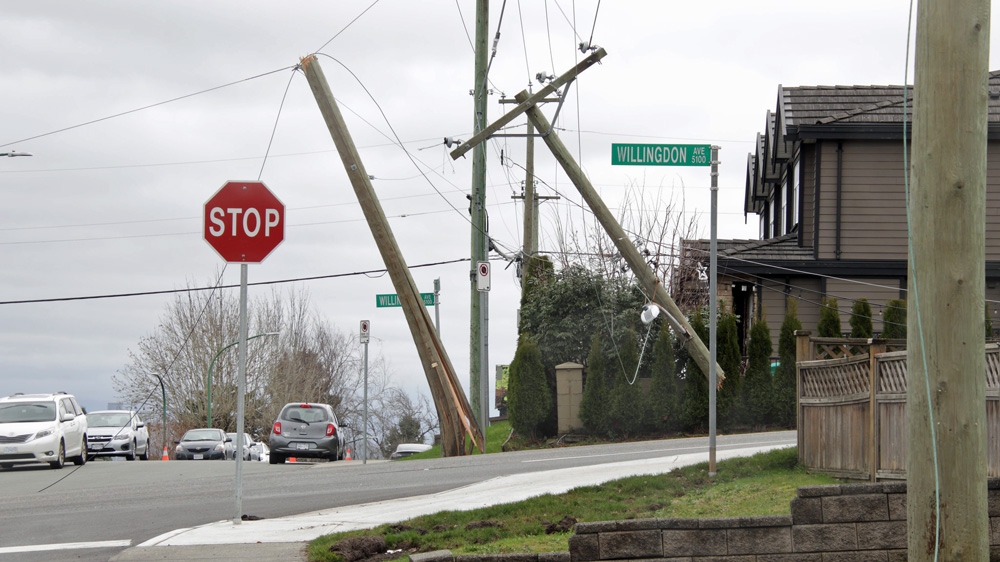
column 876, row 346
column 803, row 352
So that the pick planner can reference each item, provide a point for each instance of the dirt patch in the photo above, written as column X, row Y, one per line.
column 483, row 524
column 359, row 548
column 564, row 525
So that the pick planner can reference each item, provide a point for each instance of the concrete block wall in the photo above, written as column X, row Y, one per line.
column 838, row 523
column 847, row 522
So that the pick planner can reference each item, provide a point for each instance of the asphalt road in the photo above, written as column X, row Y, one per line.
column 131, row 502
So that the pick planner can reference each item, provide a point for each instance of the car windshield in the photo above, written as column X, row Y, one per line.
column 108, row 419
column 23, row 412
column 305, row 414
column 202, row 435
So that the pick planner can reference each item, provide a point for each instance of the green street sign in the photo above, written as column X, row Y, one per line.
column 392, row 299
column 661, row 155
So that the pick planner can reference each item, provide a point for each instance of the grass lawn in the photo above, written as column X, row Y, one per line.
column 763, row 484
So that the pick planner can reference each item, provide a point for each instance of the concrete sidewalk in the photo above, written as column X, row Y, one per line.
column 285, row 538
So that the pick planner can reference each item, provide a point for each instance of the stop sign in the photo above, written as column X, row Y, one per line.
column 244, row 221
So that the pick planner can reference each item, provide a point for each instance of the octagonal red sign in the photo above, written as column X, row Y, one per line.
column 244, row 221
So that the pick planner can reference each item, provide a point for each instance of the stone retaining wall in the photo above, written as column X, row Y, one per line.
column 838, row 523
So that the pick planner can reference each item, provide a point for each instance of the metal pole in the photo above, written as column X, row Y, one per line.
column 211, row 365
column 241, row 390
column 713, row 312
column 484, row 373
column 437, row 305
column 364, row 444
column 163, row 389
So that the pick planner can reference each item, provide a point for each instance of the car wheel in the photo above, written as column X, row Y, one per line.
column 130, row 456
column 145, row 453
column 276, row 459
column 6, row 466
column 60, row 458
column 82, row 459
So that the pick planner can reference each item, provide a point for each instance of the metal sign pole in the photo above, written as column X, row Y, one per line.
column 241, row 391
column 365, row 336
column 713, row 312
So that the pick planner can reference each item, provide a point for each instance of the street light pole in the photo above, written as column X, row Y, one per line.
column 211, row 365
column 163, row 389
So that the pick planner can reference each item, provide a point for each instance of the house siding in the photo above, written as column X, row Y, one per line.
column 807, row 157
column 827, row 201
column 773, row 300
column 993, row 202
column 872, row 201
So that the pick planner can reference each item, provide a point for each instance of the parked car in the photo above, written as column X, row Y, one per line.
column 247, row 443
column 260, row 452
column 204, row 444
column 42, row 428
column 307, row 430
column 404, row 450
column 117, row 433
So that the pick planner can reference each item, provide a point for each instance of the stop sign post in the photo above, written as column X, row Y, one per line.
column 244, row 221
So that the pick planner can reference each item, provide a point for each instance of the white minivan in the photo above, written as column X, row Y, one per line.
column 42, row 428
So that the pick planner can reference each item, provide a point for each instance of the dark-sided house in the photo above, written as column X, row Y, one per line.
column 826, row 186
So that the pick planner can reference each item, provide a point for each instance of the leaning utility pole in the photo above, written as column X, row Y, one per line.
column 946, row 508
column 479, row 300
column 454, row 413
column 647, row 278
column 644, row 275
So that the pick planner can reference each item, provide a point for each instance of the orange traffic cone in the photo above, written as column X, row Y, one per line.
column 291, row 459
column 166, row 455
column 348, row 457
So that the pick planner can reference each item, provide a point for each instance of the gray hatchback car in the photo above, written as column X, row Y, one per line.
column 307, row 430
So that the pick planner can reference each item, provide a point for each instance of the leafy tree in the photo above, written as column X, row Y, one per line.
column 861, row 319
column 894, row 320
column 829, row 319
column 563, row 310
column 694, row 400
column 784, row 380
column 757, row 392
column 528, row 397
column 594, row 403
column 665, row 395
column 628, row 411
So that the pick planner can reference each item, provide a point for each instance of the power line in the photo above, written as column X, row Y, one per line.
column 145, row 107
column 213, row 288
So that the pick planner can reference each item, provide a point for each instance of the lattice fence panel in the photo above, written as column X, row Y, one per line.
column 836, row 380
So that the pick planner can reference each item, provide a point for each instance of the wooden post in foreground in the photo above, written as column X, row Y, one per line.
column 946, row 509
column 454, row 412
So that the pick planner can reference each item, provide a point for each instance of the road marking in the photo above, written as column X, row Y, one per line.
column 676, row 450
column 64, row 546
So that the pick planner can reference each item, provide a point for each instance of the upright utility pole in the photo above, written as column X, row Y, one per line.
column 530, row 203
column 946, row 504
column 479, row 302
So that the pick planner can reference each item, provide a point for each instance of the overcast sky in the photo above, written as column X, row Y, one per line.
column 115, row 206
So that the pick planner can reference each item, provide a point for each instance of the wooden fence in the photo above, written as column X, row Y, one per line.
column 851, row 406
